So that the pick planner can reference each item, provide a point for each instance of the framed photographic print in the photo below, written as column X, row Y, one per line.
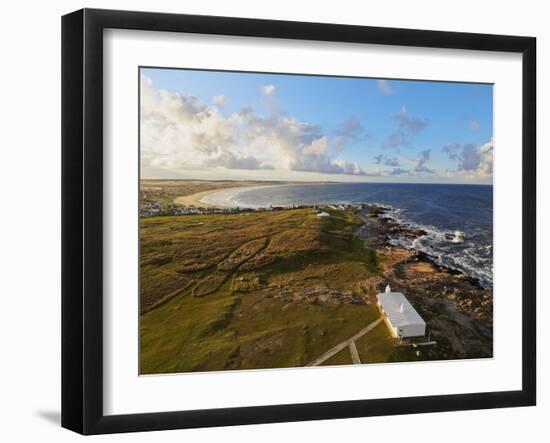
column 269, row 221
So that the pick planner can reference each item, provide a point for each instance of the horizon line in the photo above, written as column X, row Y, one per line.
column 315, row 181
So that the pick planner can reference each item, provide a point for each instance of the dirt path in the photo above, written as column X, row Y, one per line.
column 345, row 344
column 354, row 354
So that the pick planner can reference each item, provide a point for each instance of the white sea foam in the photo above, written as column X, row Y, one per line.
column 458, row 237
column 446, row 248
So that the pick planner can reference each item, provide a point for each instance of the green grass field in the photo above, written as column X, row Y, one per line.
column 262, row 290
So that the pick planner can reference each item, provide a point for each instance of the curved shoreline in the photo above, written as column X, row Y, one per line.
column 219, row 198
column 225, row 198
column 198, row 199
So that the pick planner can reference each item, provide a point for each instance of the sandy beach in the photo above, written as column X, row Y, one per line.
column 216, row 198
column 195, row 199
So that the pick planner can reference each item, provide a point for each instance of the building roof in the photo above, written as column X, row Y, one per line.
column 392, row 303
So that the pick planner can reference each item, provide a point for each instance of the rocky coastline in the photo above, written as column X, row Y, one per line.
column 457, row 308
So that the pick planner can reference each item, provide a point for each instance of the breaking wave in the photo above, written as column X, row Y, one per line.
column 452, row 249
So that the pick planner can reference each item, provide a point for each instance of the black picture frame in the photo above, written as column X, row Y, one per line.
column 82, row 219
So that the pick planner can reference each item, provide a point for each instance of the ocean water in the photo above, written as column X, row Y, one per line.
column 458, row 219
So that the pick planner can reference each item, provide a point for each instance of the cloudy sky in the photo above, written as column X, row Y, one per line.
column 223, row 125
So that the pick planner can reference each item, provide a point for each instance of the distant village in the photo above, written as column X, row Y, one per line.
column 152, row 208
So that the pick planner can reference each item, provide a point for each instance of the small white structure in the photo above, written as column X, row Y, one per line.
column 401, row 318
column 323, row 215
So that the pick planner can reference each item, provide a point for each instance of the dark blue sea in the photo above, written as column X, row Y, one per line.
column 458, row 219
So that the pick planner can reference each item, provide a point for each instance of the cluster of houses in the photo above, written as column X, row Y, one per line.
column 154, row 210
column 150, row 208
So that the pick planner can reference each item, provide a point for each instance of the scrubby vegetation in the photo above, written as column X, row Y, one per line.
column 280, row 288
column 271, row 289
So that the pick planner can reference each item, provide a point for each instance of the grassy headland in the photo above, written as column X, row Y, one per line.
column 263, row 290
column 274, row 289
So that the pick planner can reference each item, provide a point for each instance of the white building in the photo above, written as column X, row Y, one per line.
column 323, row 215
column 401, row 318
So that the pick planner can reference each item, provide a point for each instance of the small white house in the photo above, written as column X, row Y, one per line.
column 401, row 318
column 323, row 215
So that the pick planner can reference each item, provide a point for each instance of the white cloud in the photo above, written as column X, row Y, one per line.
column 384, row 87
column 486, row 154
column 220, row 100
column 293, row 145
column 474, row 162
column 418, row 165
column 268, row 89
column 408, row 127
column 181, row 132
column 350, row 131
column 422, row 162
column 229, row 160
column 384, row 160
column 398, row 171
